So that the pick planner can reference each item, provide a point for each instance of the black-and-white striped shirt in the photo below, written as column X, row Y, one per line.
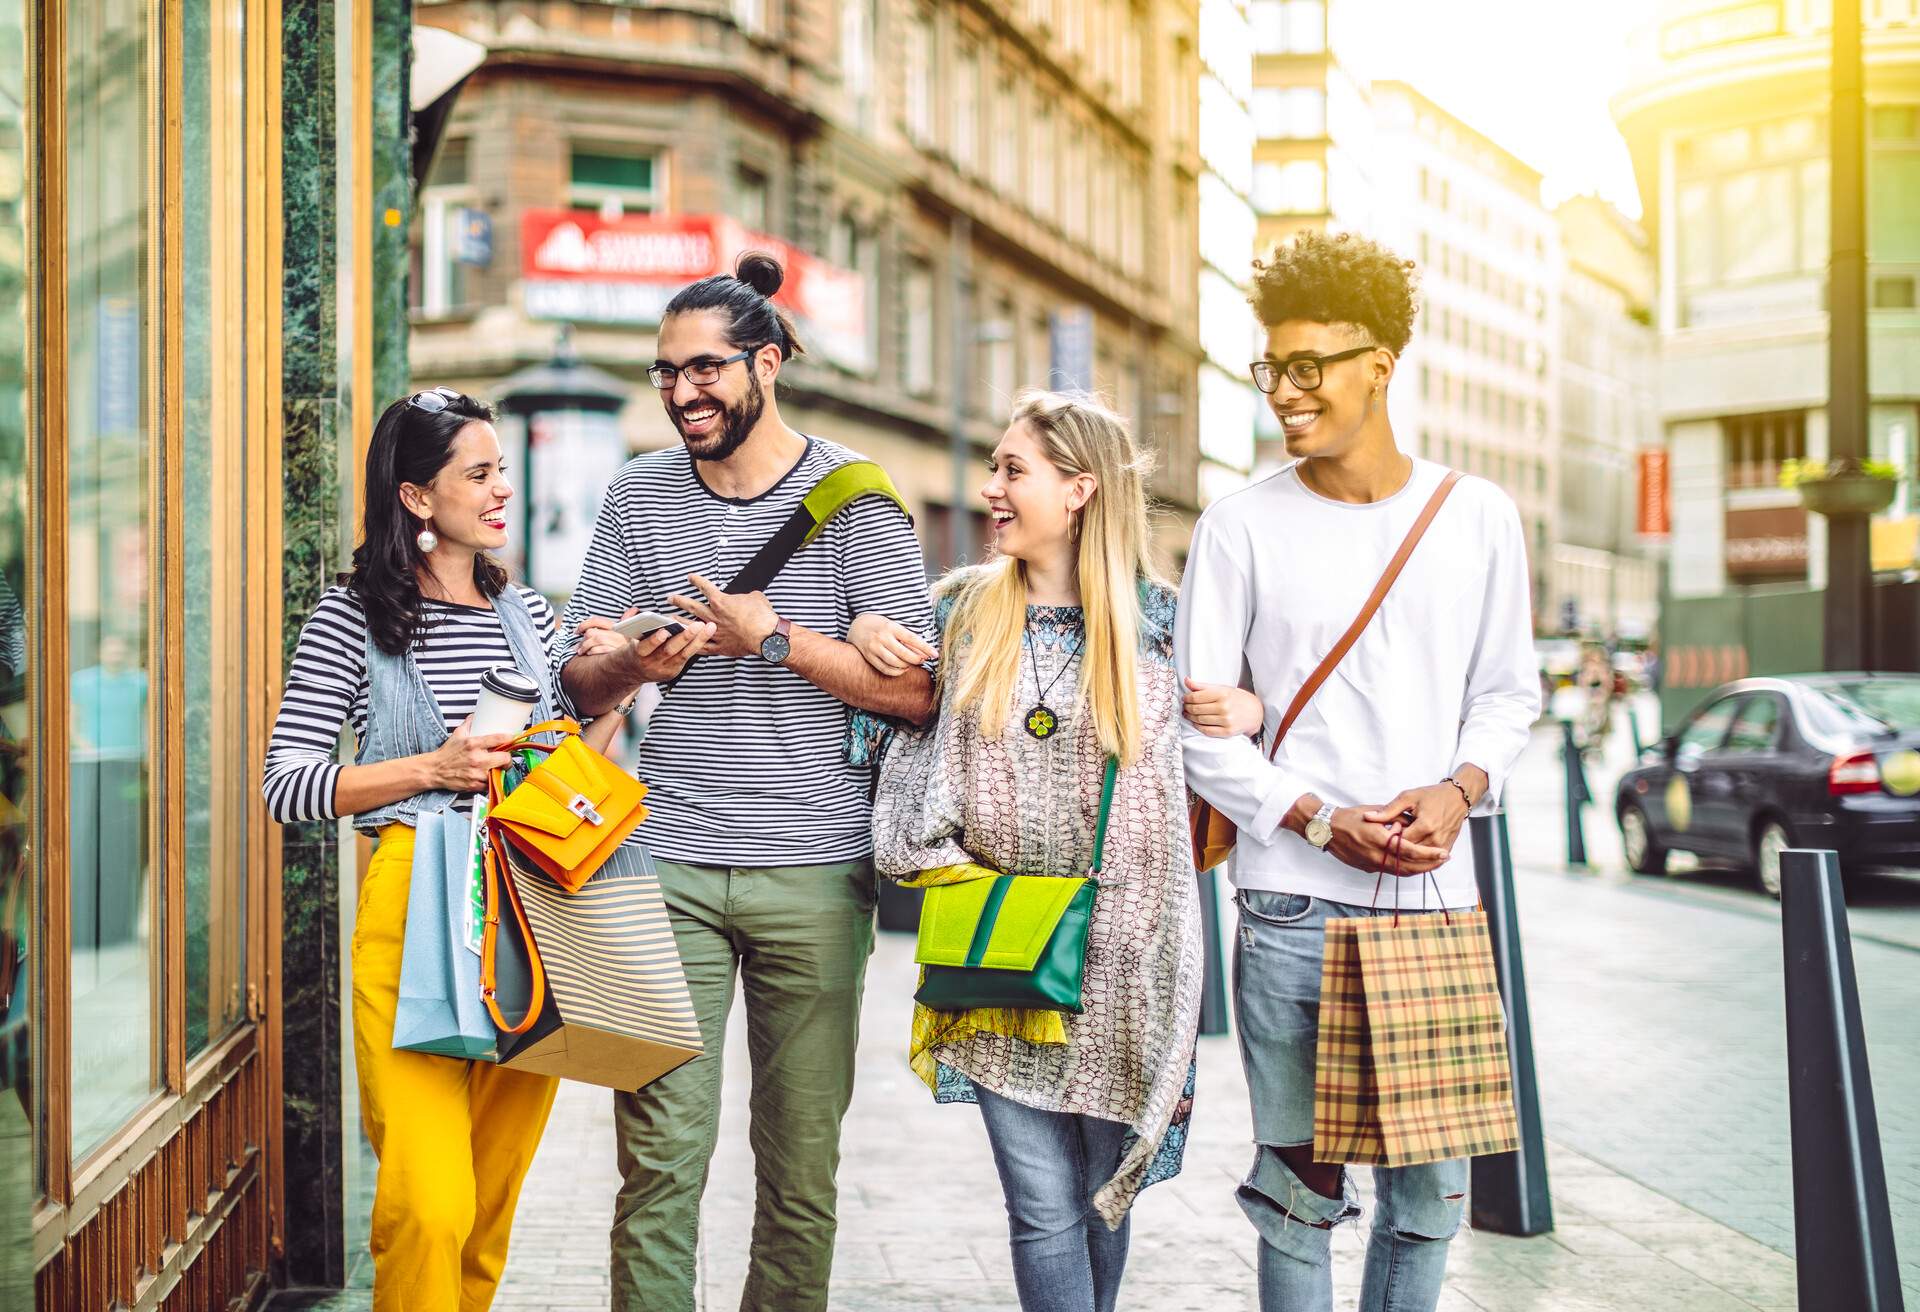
column 745, row 760
column 327, row 688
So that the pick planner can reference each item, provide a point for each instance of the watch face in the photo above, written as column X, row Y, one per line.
column 1319, row 832
column 775, row 647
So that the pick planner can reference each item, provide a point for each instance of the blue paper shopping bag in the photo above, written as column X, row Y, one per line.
column 440, row 1009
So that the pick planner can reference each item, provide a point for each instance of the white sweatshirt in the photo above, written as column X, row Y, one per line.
column 1444, row 676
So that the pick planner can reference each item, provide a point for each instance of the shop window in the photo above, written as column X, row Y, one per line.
column 615, row 183
column 22, row 1090
column 111, row 579
column 217, row 782
column 1757, row 445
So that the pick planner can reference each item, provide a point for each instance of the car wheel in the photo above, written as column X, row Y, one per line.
column 1769, row 841
column 1644, row 853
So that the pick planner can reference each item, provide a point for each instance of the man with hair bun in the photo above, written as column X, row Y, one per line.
column 1417, row 725
column 760, row 823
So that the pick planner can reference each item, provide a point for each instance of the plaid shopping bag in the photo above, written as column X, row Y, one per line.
column 1411, row 1064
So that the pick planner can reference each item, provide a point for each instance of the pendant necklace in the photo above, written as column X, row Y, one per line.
column 1041, row 722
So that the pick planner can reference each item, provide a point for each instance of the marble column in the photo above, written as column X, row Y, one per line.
column 317, row 474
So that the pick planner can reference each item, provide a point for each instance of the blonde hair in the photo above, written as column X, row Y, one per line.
column 1079, row 436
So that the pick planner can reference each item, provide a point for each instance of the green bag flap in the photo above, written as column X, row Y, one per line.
column 843, row 485
column 1003, row 923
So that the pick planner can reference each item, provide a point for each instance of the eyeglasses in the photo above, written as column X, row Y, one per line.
column 434, row 399
column 1306, row 371
column 699, row 372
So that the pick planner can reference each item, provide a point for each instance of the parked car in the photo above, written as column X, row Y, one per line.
column 1805, row 760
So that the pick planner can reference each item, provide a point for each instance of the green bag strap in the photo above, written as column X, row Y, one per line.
column 1106, row 804
column 990, row 911
column 839, row 488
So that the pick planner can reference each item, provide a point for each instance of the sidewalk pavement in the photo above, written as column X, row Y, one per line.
column 922, row 1225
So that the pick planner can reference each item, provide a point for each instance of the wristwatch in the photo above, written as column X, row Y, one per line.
column 1319, row 830
column 778, row 645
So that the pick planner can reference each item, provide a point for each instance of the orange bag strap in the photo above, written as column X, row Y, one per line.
column 497, row 879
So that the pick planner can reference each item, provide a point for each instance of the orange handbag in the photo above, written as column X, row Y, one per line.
column 1213, row 833
column 572, row 810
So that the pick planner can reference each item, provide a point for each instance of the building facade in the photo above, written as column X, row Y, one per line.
column 192, row 252
column 1604, row 580
column 1229, row 336
column 1726, row 115
column 983, row 197
column 1478, row 386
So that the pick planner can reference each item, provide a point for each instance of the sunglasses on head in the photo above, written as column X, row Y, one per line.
column 434, row 399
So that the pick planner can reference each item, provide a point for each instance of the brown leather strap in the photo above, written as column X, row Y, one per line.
column 1360, row 621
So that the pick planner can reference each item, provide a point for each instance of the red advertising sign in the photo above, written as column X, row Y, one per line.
column 577, row 265
column 1655, row 496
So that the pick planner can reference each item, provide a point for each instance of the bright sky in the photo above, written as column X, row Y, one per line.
column 1533, row 75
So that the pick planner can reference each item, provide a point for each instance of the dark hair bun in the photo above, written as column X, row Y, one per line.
column 760, row 271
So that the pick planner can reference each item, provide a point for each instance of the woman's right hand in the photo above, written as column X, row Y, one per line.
column 890, row 648
column 1220, row 710
column 463, row 762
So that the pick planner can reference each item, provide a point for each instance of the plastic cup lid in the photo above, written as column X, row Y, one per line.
column 507, row 681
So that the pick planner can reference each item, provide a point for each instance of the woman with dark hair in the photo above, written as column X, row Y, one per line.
column 397, row 649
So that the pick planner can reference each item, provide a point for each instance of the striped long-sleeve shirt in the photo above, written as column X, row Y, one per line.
column 327, row 688
column 745, row 760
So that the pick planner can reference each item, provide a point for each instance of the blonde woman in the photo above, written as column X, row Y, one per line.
column 1054, row 656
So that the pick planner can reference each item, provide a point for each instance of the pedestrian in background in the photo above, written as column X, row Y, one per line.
column 761, row 825
column 1054, row 657
column 1415, row 727
column 397, row 649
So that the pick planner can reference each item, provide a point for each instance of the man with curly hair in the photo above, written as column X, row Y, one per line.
column 1416, row 726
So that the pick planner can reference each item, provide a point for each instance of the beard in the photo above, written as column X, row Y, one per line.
column 736, row 421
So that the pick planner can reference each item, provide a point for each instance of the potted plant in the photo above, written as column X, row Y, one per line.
column 1841, row 487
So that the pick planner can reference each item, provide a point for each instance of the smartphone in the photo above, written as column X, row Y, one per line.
column 647, row 621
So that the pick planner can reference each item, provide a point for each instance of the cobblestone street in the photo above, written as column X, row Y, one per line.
column 1659, row 1031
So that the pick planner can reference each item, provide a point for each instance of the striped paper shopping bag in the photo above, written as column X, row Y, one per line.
column 615, row 1010
column 1411, row 1064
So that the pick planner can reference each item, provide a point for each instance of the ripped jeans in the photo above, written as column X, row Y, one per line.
column 1417, row 1209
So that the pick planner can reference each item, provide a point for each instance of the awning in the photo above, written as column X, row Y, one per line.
column 442, row 60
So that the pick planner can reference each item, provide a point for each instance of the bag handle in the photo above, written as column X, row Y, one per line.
column 497, row 879
column 1106, row 804
column 1340, row 649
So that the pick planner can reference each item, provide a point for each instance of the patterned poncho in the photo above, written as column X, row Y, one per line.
column 948, row 796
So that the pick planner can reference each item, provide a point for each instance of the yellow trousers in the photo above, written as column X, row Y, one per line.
column 454, row 1138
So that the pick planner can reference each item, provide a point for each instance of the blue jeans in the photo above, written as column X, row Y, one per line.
column 1064, row 1257
column 1417, row 1209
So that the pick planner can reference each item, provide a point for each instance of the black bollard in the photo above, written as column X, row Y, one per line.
column 1213, row 985
column 1578, row 795
column 1510, row 1194
column 1843, row 1231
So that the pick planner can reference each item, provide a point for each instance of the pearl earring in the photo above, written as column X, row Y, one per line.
column 426, row 540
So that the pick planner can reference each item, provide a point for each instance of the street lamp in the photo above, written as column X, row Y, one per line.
column 564, row 419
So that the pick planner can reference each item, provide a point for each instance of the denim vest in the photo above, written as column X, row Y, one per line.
column 403, row 719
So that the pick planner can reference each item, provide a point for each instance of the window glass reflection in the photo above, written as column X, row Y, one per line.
column 109, row 578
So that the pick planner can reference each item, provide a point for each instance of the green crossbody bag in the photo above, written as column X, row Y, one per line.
column 1011, row 940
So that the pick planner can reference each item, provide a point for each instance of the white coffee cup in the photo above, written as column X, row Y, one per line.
column 507, row 699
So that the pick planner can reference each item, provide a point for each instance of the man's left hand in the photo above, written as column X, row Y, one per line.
column 1438, row 811
column 740, row 620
